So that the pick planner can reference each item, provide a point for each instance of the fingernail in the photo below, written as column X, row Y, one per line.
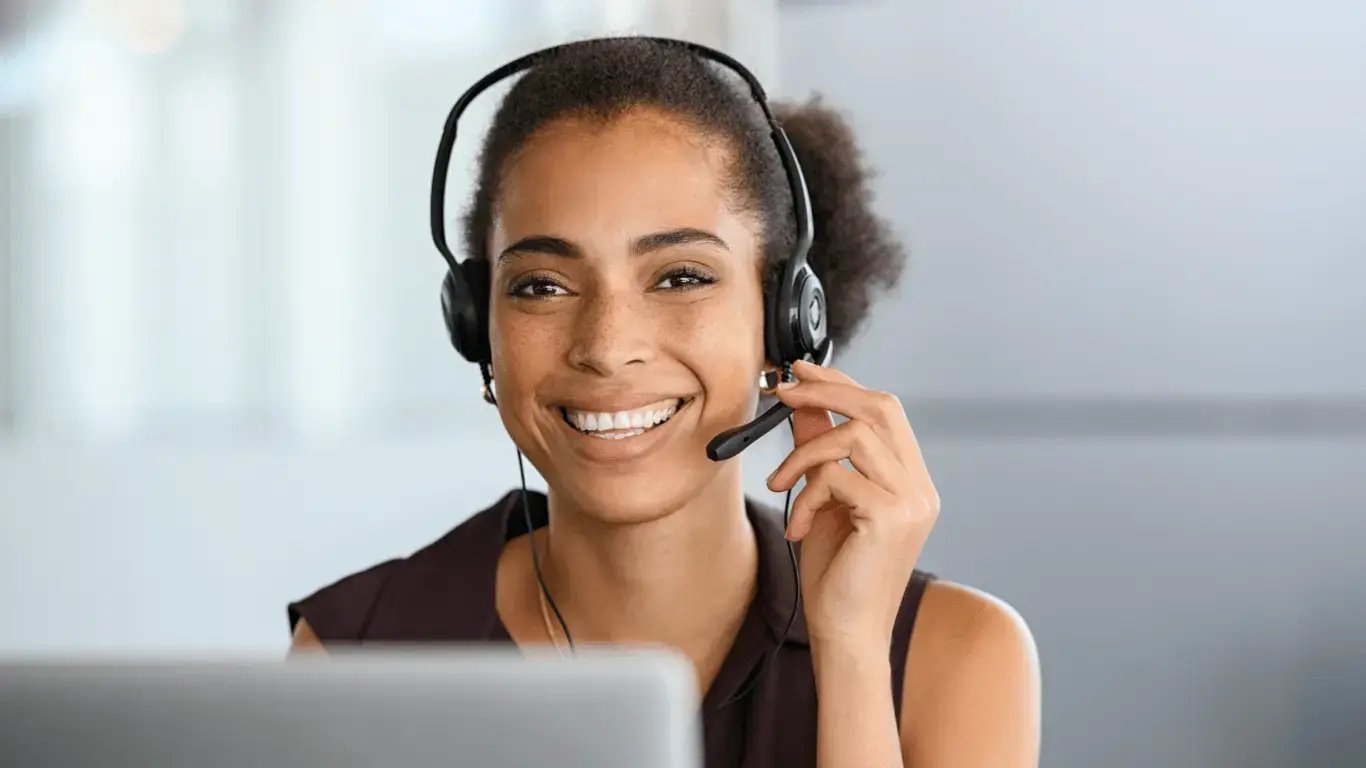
column 769, row 480
column 786, row 385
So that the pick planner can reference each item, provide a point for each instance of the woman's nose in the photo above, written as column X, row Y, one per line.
column 610, row 332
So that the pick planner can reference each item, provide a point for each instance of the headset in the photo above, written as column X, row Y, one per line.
column 794, row 305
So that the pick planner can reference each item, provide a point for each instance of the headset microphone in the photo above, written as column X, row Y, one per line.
column 729, row 443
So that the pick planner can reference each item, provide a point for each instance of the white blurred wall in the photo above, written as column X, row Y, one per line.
column 216, row 211
column 224, row 380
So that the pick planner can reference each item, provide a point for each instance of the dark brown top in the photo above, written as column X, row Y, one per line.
column 445, row 591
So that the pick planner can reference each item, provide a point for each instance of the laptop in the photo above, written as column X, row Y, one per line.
column 465, row 706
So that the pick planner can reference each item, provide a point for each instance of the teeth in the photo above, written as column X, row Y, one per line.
column 630, row 423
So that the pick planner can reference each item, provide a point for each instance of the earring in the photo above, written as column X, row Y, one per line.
column 486, row 390
column 768, row 380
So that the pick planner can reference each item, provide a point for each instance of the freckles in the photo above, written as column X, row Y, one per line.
column 722, row 341
column 704, row 327
column 520, row 346
column 687, row 326
column 510, row 328
column 539, row 337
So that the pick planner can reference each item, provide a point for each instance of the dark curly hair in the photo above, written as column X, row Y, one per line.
column 854, row 251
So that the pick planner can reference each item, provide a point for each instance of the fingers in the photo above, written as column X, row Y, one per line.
column 849, row 492
column 881, row 410
column 852, row 440
column 809, row 424
column 811, row 372
column 877, row 440
column 848, row 400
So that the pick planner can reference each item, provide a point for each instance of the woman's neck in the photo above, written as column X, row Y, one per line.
column 682, row 579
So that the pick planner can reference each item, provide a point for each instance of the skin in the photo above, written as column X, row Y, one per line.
column 588, row 310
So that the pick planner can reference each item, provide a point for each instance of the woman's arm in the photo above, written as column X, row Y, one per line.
column 971, row 695
column 855, row 722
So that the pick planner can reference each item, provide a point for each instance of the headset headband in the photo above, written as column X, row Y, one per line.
column 801, row 198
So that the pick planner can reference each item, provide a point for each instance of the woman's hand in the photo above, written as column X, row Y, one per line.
column 861, row 530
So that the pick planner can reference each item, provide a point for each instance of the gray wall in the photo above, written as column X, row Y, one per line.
column 1132, row 341
column 7, row 206
column 1163, row 201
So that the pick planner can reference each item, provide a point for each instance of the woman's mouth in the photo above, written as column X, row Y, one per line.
column 619, row 425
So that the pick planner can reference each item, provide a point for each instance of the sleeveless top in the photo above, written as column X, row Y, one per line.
column 445, row 591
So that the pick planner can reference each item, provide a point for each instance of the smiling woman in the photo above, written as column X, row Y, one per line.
column 632, row 216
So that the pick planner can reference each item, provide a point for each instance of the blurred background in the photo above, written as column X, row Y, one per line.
column 1130, row 340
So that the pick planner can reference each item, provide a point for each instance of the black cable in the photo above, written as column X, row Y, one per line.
column 796, row 596
column 536, row 559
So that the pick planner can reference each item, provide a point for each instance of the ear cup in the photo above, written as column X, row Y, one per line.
column 464, row 306
column 811, row 311
column 795, row 315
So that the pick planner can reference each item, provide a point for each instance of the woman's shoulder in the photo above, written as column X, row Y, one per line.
column 950, row 609
column 972, row 657
column 391, row 591
column 965, row 630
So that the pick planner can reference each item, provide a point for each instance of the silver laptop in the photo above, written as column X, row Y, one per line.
column 391, row 706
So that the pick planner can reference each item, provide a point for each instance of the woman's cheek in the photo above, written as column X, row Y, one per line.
column 524, row 355
column 520, row 342
column 725, row 350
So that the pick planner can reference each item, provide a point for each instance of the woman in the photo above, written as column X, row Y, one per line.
column 631, row 207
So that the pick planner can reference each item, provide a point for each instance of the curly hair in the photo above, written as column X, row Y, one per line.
column 854, row 253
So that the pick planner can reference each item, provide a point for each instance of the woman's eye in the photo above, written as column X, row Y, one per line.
column 537, row 288
column 684, row 278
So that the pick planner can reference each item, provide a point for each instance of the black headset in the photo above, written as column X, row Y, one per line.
column 794, row 306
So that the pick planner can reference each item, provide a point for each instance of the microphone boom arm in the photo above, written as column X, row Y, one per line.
column 728, row 444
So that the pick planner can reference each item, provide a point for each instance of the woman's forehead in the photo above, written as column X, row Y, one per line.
column 642, row 171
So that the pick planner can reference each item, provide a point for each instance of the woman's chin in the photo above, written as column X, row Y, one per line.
column 626, row 498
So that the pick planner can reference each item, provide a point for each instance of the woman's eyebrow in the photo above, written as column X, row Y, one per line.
column 684, row 236
column 557, row 246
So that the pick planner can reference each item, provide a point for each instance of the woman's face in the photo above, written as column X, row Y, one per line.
column 626, row 316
